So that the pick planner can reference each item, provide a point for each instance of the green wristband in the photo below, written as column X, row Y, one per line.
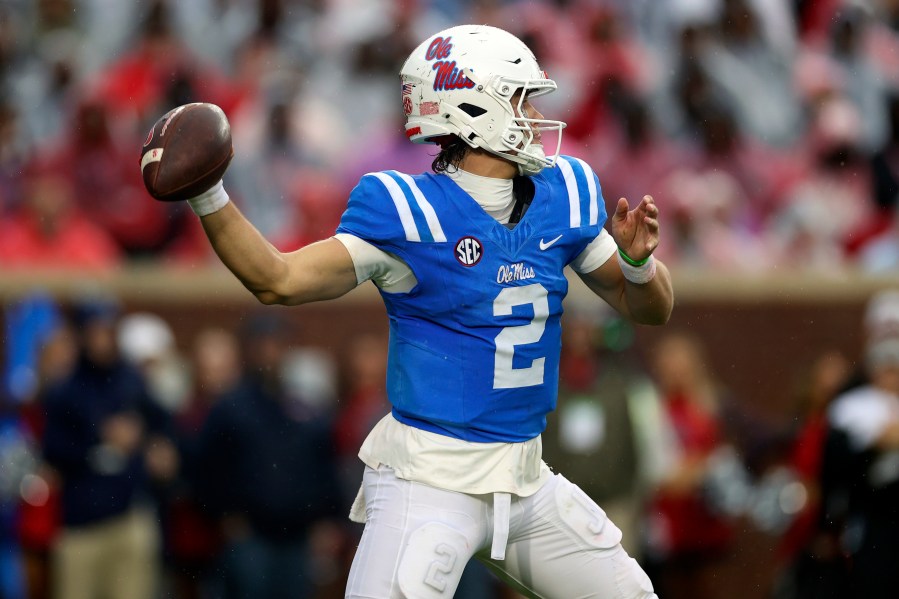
column 631, row 261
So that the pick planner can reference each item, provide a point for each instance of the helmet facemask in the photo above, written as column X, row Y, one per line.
column 522, row 139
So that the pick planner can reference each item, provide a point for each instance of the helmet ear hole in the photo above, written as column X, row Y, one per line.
column 472, row 110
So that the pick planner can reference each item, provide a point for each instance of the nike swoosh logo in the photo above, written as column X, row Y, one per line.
column 546, row 244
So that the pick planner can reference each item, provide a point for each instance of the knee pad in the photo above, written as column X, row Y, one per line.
column 586, row 519
column 433, row 561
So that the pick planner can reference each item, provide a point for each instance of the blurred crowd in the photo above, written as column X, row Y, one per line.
column 768, row 131
column 136, row 463
column 136, row 467
column 695, row 475
column 139, row 463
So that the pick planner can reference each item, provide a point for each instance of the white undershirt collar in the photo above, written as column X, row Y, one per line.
column 493, row 195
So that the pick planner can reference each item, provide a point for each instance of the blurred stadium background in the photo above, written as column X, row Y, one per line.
column 767, row 130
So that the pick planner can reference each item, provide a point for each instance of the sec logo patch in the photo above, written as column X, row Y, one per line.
column 469, row 251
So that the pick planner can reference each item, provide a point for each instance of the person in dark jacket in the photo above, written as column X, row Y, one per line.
column 268, row 471
column 107, row 439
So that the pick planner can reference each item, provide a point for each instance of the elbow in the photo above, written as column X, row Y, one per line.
column 660, row 320
column 664, row 315
column 270, row 296
column 654, row 320
column 279, row 296
column 657, row 316
column 659, row 311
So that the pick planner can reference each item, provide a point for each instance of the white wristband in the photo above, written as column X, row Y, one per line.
column 212, row 200
column 638, row 274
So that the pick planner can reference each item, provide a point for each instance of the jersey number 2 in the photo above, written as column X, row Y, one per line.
column 504, row 375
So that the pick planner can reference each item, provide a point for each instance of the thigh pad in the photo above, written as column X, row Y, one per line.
column 433, row 561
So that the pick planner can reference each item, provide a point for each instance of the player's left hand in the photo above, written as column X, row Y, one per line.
column 636, row 231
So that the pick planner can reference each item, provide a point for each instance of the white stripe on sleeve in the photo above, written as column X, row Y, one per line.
column 426, row 208
column 574, row 199
column 591, row 185
column 402, row 205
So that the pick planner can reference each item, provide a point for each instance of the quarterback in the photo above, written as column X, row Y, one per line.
column 469, row 260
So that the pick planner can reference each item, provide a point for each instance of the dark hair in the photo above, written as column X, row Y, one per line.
column 451, row 154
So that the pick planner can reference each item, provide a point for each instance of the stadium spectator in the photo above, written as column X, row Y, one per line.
column 107, row 187
column 267, row 471
column 720, row 195
column 40, row 512
column 615, row 70
column 759, row 172
column 868, row 417
column 48, row 86
column 192, row 537
column 877, row 249
column 39, row 352
column 271, row 171
column 155, row 72
column 108, row 441
column 687, row 535
column 754, row 76
column 684, row 86
column 865, row 85
column 885, row 163
column 832, row 204
column 147, row 342
column 810, row 561
column 49, row 230
column 635, row 156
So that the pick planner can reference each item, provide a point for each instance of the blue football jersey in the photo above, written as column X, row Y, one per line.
column 474, row 346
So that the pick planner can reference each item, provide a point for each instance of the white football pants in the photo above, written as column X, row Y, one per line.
column 417, row 540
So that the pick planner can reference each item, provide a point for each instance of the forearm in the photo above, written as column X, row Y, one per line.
column 645, row 302
column 650, row 303
column 257, row 264
column 319, row 271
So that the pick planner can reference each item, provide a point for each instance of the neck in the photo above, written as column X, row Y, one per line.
column 493, row 194
column 485, row 164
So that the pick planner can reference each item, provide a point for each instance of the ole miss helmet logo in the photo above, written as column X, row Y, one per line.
column 469, row 251
column 439, row 49
column 448, row 76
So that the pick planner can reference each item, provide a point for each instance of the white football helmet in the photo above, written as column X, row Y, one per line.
column 460, row 82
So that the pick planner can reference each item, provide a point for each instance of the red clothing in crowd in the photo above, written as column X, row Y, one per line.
column 806, row 459
column 76, row 243
column 689, row 524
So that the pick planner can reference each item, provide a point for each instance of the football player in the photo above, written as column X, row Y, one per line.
column 470, row 261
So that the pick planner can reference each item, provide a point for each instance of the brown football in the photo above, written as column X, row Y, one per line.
column 186, row 152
